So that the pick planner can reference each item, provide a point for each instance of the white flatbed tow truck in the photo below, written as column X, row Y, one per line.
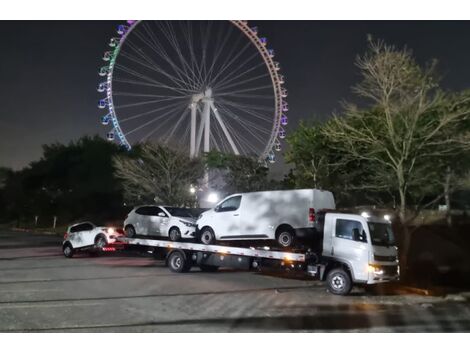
column 350, row 250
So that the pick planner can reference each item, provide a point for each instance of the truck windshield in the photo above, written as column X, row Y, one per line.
column 381, row 234
column 179, row 212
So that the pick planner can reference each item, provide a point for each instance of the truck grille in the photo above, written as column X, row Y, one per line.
column 384, row 258
column 390, row 270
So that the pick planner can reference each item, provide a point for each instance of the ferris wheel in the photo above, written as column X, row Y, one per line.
column 194, row 85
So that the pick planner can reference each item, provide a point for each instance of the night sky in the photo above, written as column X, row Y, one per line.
column 48, row 71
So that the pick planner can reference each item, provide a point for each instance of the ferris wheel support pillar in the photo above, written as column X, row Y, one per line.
column 224, row 129
column 192, row 151
column 206, row 116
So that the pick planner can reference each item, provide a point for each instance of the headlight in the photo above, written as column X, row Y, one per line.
column 377, row 270
column 187, row 223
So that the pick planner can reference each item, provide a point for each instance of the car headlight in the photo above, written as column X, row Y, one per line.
column 187, row 223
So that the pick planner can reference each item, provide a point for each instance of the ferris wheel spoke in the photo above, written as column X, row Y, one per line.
column 189, row 39
column 243, row 140
column 268, row 86
column 245, row 122
column 160, row 127
column 142, row 103
column 218, row 51
column 230, row 77
column 135, row 116
column 177, row 124
column 150, row 64
column 129, row 94
column 246, row 106
column 231, row 61
column 158, row 48
column 155, row 82
column 205, row 41
column 152, row 121
column 242, row 82
column 171, row 36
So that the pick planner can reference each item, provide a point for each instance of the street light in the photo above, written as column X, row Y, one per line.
column 213, row 197
column 192, row 190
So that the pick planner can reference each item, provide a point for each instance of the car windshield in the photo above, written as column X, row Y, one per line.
column 381, row 234
column 180, row 212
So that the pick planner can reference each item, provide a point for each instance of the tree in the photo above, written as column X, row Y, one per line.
column 240, row 173
column 320, row 166
column 408, row 128
column 73, row 181
column 156, row 173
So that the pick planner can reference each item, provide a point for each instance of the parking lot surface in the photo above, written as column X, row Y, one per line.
column 40, row 290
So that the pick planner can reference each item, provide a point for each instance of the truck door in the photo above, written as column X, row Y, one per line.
column 349, row 245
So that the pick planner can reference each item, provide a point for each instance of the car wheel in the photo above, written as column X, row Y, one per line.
column 178, row 263
column 100, row 242
column 285, row 238
column 130, row 231
column 68, row 250
column 174, row 234
column 339, row 282
column 208, row 268
column 207, row 236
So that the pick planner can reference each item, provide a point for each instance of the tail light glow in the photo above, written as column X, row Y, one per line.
column 311, row 215
column 108, row 249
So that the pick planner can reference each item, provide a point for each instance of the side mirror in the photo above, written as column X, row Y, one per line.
column 161, row 214
column 216, row 209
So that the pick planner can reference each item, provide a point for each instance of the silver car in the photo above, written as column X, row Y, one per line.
column 151, row 220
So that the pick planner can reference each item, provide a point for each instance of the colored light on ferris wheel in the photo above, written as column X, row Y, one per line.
column 284, row 120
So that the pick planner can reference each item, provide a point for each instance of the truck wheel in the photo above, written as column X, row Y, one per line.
column 207, row 236
column 339, row 282
column 130, row 231
column 208, row 268
column 174, row 234
column 178, row 263
column 285, row 238
column 68, row 250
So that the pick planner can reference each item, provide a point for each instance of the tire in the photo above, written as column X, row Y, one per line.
column 100, row 242
column 130, row 231
column 339, row 282
column 208, row 268
column 68, row 250
column 285, row 238
column 174, row 234
column 207, row 236
column 178, row 263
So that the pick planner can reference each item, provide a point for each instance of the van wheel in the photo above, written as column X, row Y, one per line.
column 174, row 234
column 207, row 236
column 68, row 250
column 178, row 263
column 130, row 231
column 339, row 282
column 208, row 268
column 285, row 238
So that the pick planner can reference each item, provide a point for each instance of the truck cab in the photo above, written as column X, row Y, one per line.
column 357, row 249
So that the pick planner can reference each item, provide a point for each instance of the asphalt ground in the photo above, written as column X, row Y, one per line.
column 42, row 291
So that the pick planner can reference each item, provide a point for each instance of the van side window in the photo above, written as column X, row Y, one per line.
column 350, row 230
column 230, row 204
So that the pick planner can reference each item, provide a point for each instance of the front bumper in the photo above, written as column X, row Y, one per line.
column 383, row 273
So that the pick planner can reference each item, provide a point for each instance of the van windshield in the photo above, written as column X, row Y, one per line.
column 381, row 234
column 179, row 212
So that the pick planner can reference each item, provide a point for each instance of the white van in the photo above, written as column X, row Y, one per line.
column 269, row 215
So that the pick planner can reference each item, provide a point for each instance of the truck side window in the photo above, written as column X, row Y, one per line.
column 230, row 204
column 350, row 230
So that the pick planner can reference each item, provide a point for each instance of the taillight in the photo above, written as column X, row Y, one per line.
column 65, row 235
column 311, row 215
